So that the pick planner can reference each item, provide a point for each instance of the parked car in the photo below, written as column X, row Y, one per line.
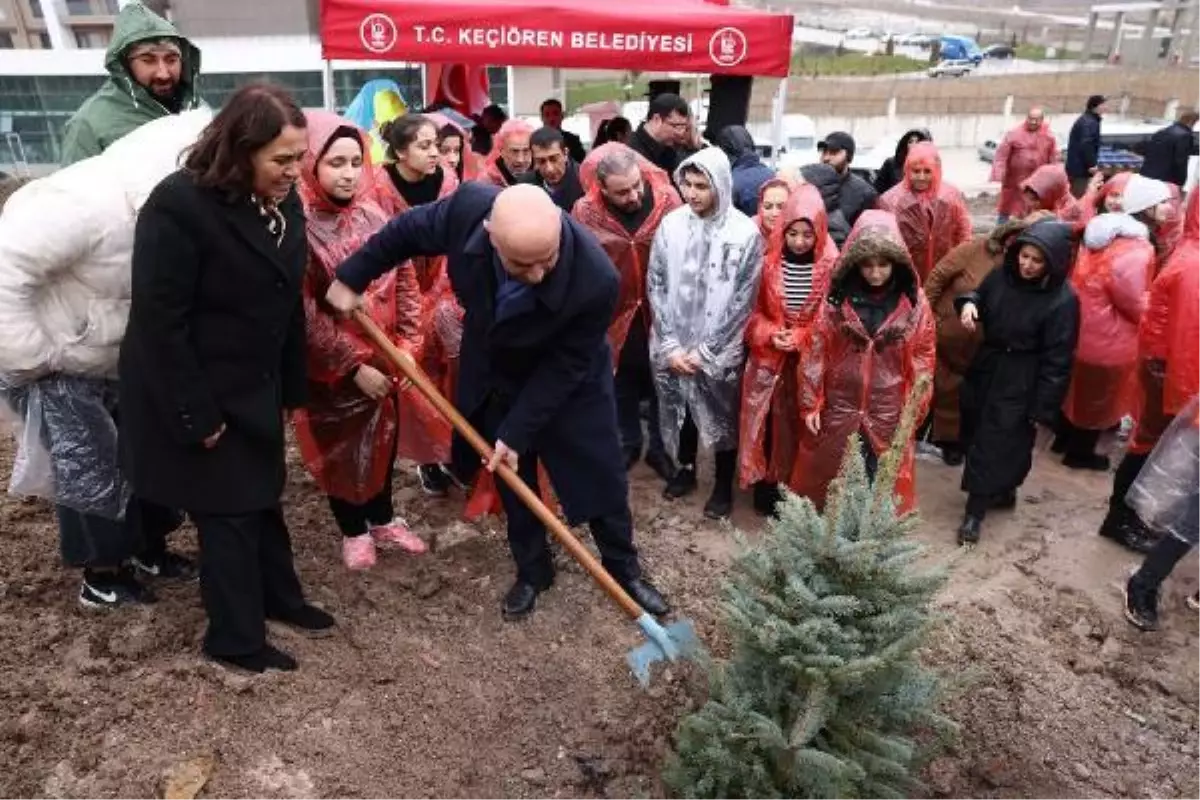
column 951, row 68
column 859, row 33
column 999, row 52
column 959, row 48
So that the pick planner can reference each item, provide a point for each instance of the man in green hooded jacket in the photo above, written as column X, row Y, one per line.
column 152, row 72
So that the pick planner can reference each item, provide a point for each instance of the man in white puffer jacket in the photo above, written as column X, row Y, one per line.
column 66, row 244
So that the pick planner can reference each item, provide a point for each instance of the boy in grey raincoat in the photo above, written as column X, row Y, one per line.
column 702, row 283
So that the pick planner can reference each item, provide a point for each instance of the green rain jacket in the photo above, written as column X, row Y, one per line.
column 121, row 104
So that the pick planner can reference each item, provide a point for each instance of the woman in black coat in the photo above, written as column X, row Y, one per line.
column 1020, row 373
column 214, row 357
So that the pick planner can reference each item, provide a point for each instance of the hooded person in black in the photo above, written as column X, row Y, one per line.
column 749, row 172
column 1020, row 374
column 892, row 171
column 825, row 179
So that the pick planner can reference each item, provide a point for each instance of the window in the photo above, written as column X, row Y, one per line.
column 6, row 40
column 35, row 8
column 498, row 85
column 92, row 38
column 79, row 8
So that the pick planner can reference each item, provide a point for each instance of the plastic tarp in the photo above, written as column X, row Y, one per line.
column 672, row 35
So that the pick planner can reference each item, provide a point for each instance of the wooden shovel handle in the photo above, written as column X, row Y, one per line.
column 419, row 379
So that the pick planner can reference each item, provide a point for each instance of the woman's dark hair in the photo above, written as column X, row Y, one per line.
column 402, row 131
column 618, row 129
column 254, row 116
column 452, row 131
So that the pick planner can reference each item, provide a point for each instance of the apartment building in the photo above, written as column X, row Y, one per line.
column 51, row 59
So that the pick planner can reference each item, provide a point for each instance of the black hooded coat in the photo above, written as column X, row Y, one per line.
column 1020, row 373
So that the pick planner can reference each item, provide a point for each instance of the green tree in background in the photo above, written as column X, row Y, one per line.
column 824, row 692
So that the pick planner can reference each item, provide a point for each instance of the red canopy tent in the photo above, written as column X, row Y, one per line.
column 664, row 35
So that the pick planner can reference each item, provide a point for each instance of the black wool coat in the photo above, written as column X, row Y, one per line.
column 215, row 336
column 1021, row 371
column 541, row 379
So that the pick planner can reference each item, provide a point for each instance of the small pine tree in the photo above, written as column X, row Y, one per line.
column 823, row 691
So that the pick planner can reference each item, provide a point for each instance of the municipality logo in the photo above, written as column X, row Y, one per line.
column 378, row 33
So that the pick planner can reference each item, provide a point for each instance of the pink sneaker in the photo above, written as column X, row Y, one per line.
column 358, row 552
column 397, row 533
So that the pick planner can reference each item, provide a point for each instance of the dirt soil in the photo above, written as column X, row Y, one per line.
column 424, row 691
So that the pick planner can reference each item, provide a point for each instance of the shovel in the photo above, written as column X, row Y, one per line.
column 670, row 642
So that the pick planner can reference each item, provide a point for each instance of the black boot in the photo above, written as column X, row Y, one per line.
column 1141, row 605
column 766, row 498
column 1005, row 502
column 649, row 598
column 968, row 531
column 661, row 463
column 683, row 484
column 952, row 455
column 521, row 598
column 1122, row 526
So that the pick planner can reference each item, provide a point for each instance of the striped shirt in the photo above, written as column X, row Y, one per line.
column 797, row 285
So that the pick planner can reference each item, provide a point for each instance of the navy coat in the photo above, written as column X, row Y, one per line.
column 1083, row 146
column 540, row 380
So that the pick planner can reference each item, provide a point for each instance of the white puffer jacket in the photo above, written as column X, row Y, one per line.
column 66, row 246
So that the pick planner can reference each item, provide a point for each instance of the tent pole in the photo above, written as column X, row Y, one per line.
column 779, row 107
column 327, row 91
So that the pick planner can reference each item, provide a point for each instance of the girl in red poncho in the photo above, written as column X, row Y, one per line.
column 932, row 215
column 347, row 433
column 873, row 340
column 1049, row 189
column 795, row 279
column 1112, row 276
column 1168, row 372
column 415, row 175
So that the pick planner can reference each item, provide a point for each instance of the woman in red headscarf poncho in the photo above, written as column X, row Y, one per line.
column 795, row 280
column 348, row 431
column 932, row 214
column 414, row 175
column 873, row 341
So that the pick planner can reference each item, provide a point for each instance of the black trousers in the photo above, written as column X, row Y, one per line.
column 725, row 461
column 527, row 535
column 94, row 542
column 1127, row 472
column 354, row 519
column 977, row 505
column 246, row 575
column 633, row 383
column 1160, row 561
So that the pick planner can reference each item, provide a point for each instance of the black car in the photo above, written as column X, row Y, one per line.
column 999, row 52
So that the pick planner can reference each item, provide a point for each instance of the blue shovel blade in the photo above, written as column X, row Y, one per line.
column 670, row 642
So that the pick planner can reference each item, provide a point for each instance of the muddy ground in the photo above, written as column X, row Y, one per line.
column 425, row 691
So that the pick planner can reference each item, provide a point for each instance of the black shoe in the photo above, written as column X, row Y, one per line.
column 307, row 618
column 1004, row 502
column 720, row 502
column 434, row 480
column 968, row 531
column 767, row 498
column 1141, row 605
column 649, row 598
column 1124, row 528
column 1093, row 462
column 952, row 456
column 107, row 590
column 681, row 484
column 662, row 464
column 521, row 598
column 267, row 658
column 169, row 566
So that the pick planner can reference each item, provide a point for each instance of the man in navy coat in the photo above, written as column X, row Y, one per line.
column 535, row 371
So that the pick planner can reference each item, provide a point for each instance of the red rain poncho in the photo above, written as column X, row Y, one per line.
column 491, row 167
column 345, row 437
column 932, row 222
column 1021, row 153
column 630, row 253
column 861, row 383
column 769, row 383
column 1111, row 278
column 1169, row 337
column 1053, row 189
column 1169, row 232
column 774, row 183
column 424, row 433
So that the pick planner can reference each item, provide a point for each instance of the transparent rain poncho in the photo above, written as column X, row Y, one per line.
column 702, row 284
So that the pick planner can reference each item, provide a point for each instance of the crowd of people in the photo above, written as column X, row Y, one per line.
column 652, row 299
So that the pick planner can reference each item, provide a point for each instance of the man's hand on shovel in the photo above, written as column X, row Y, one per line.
column 501, row 454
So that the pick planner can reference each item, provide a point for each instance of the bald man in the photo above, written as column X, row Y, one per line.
column 535, row 371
